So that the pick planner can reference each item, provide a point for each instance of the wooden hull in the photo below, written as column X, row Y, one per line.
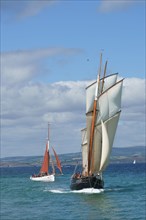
column 47, row 178
column 86, row 182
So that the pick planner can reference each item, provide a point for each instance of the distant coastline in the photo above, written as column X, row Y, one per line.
column 119, row 155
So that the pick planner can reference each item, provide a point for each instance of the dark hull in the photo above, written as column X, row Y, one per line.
column 86, row 182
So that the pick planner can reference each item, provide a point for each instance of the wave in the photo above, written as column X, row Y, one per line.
column 89, row 191
column 132, row 185
column 83, row 191
column 120, row 189
column 57, row 191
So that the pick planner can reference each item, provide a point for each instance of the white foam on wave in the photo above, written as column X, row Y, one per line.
column 89, row 191
column 57, row 191
column 113, row 189
column 83, row 191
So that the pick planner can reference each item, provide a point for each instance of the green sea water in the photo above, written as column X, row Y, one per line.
column 124, row 196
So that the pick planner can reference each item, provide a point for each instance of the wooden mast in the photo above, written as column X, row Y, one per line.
column 48, row 134
column 46, row 160
column 104, row 76
column 90, row 159
column 102, row 84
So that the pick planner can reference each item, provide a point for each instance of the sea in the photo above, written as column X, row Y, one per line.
column 124, row 195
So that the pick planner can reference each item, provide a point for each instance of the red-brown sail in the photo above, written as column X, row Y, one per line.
column 58, row 163
column 45, row 165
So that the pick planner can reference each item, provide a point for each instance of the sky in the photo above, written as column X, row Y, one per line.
column 50, row 52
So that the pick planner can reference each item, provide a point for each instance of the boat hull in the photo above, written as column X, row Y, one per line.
column 86, row 182
column 47, row 178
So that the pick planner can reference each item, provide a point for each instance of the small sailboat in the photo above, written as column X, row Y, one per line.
column 44, row 174
column 103, row 107
column 134, row 161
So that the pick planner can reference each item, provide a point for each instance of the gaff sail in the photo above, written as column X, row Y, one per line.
column 45, row 164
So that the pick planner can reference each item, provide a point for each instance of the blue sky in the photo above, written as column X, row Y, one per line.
column 49, row 53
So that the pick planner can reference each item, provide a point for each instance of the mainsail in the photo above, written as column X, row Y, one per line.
column 45, row 164
column 103, row 104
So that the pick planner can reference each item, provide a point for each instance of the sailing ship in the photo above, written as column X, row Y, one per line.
column 44, row 174
column 103, row 108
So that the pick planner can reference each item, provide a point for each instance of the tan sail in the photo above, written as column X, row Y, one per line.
column 45, row 164
column 58, row 163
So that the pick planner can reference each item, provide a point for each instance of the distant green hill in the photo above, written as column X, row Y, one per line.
column 129, row 151
column 126, row 154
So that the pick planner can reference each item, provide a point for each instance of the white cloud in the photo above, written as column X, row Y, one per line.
column 114, row 5
column 27, row 109
column 23, row 9
column 27, row 106
column 34, row 7
column 134, row 92
column 21, row 66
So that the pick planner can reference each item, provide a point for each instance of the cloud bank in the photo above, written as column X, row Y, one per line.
column 28, row 105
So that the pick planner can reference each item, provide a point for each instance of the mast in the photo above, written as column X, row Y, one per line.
column 48, row 140
column 99, row 93
column 103, row 104
column 90, row 158
column 104, row 76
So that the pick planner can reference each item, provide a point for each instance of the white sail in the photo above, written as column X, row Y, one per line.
column 103, row 140
column 84, row 136
column 84, row 152
column 108, row 134
column 107, row 116
column 109, row 103
column 105, row 145
column 90, row 90
column 48, row 145
column 97, row 149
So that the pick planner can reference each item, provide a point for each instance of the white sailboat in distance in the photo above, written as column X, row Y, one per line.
column 44, row 174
